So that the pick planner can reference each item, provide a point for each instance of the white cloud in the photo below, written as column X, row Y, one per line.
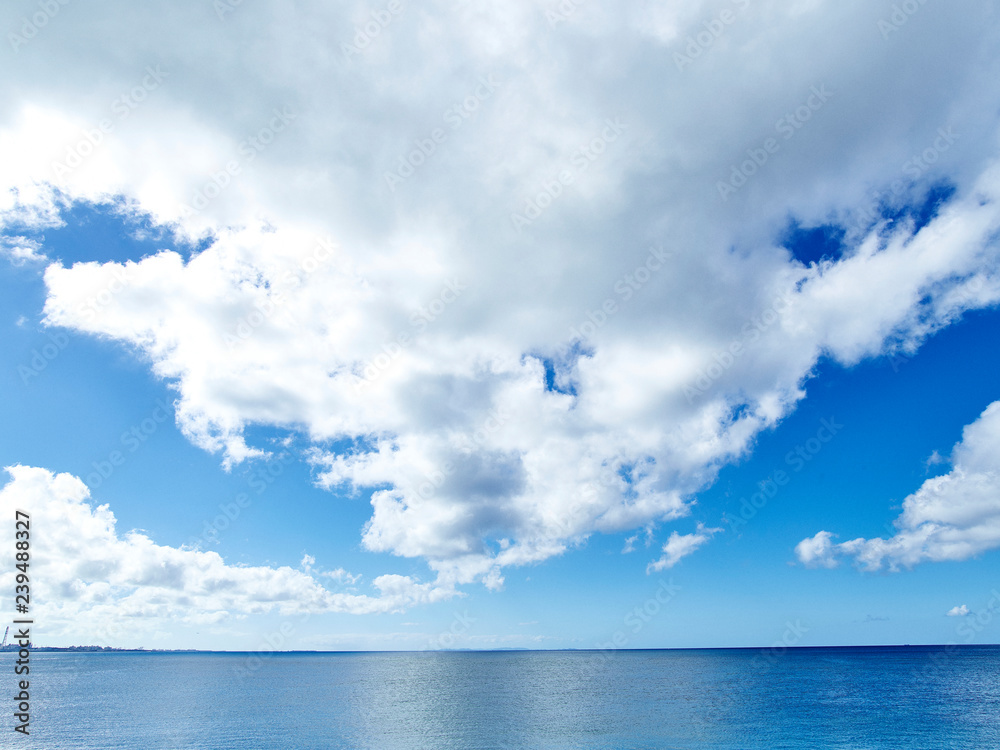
column 960, row 611
column 679, row 546
column 20, row 250
column 91, row 581
column 817, row 551
column 934, row 459
column 477, row 465
column 342, row 576
column 951, row 517
column 338, row 575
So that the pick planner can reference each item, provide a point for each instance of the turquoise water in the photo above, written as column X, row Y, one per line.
column 858, row 698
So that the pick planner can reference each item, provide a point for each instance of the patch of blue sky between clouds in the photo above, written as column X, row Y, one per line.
column 105, row 232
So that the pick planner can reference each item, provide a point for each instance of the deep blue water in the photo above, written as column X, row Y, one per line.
column 859, row 698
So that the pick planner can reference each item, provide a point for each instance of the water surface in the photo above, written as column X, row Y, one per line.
column 857, row 698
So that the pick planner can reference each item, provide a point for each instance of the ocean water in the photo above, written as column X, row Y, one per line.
column 858, row 698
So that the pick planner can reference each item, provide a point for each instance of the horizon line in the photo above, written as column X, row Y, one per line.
column 271, row 652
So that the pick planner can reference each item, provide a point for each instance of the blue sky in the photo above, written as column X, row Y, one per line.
column 256, row 398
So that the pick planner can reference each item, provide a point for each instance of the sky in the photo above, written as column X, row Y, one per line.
column 577, row 324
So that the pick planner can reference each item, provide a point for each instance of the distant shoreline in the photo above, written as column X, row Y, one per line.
column 108, row 649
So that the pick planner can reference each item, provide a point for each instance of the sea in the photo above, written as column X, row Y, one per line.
column 895, row 698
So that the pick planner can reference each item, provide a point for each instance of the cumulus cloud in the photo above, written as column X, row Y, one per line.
column 512, row 287
column 90, row 580
column 959, row 611
column 817, row 551
column 679, row 546
column 951, row 517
